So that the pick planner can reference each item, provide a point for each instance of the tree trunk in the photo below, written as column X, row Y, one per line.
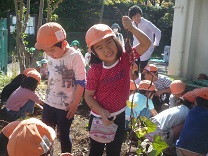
column 101, row 12
column 40, row 19
column 21, row 25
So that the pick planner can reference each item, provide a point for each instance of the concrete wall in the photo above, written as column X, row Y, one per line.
column 189, row 46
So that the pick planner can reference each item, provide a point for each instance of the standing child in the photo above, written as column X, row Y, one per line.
column 66, row 80
column 44, row 69
column 108, row 81
column 24, row 98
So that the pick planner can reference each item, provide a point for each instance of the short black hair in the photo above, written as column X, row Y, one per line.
column 202, row 102
column 185, row 102
column 135, row 10
column 29, row 83
column 59, row 44
column 94, row 57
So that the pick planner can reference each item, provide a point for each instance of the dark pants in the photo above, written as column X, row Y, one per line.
column 141, row 65
column 113, row 148
column 3, row 145
column 57, row 117
column 27, row 108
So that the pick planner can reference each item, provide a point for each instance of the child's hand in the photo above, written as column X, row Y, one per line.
column 72, row 108
column 105, row 114
column 127, row 23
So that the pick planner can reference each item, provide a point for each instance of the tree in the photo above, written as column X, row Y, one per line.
column 22, row 12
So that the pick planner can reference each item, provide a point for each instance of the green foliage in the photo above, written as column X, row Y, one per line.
column 4, row 80
column 77, row 17
column 142, row 127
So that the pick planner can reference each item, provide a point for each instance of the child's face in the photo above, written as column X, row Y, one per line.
column 137, row 18
column 55, row 52
column 148, row 76
column 45, row 65
column 106, row 50
column 75, row 47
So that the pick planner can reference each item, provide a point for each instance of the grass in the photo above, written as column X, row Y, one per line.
column 4, row 80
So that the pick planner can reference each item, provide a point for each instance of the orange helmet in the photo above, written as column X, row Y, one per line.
column 146, row 85
column 191, row 95
column 30, row 137
column 27, row 70
column 49, row 34
column 97, row 33
column 177, row 87
column 150, row 68
column 34, row 74
column 203, row 93
column 132, row 85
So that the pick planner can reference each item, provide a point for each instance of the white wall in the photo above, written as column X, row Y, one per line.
column 189, row 45
column 201, row 59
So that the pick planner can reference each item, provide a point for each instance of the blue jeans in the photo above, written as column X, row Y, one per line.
column 56, row 117
column 113, row 148
column 27, row 108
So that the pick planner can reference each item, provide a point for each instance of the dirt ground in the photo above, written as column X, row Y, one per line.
column 79, row 134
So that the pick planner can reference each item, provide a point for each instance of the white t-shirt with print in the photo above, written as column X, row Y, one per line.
column 64, row 73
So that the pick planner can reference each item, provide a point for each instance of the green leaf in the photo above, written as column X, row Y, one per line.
column 159, row 144
column 139, row 151
column 141, row 132
column 151, row 126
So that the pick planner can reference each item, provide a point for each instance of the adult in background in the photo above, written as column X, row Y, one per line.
column 135, row 13
column 116, row 28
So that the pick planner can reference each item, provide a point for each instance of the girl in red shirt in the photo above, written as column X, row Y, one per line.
column 108, row 81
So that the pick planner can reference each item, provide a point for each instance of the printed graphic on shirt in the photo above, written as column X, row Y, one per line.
column 60, row 85
column 68, row 77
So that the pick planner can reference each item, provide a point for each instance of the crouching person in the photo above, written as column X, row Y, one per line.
column 141, row 102
column 193, row 137
column 23, row 99
column 30, row 137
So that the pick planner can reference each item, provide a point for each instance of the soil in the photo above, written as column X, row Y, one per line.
column 79, row 133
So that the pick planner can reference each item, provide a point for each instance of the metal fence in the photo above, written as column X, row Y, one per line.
column 3, row 45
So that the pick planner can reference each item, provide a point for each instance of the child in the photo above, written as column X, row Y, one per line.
column 139, row 99
column 108, row 81
column 140, row 106
column 37, row 66
column 162, row 84
column 75, row 45
column 193, row 137
column 87, row 58
column 170, row 121
column 13, row 85
column 23, row 99
column 177, row 88
column 66, row 80
column 27, row 137
column 44, row 69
